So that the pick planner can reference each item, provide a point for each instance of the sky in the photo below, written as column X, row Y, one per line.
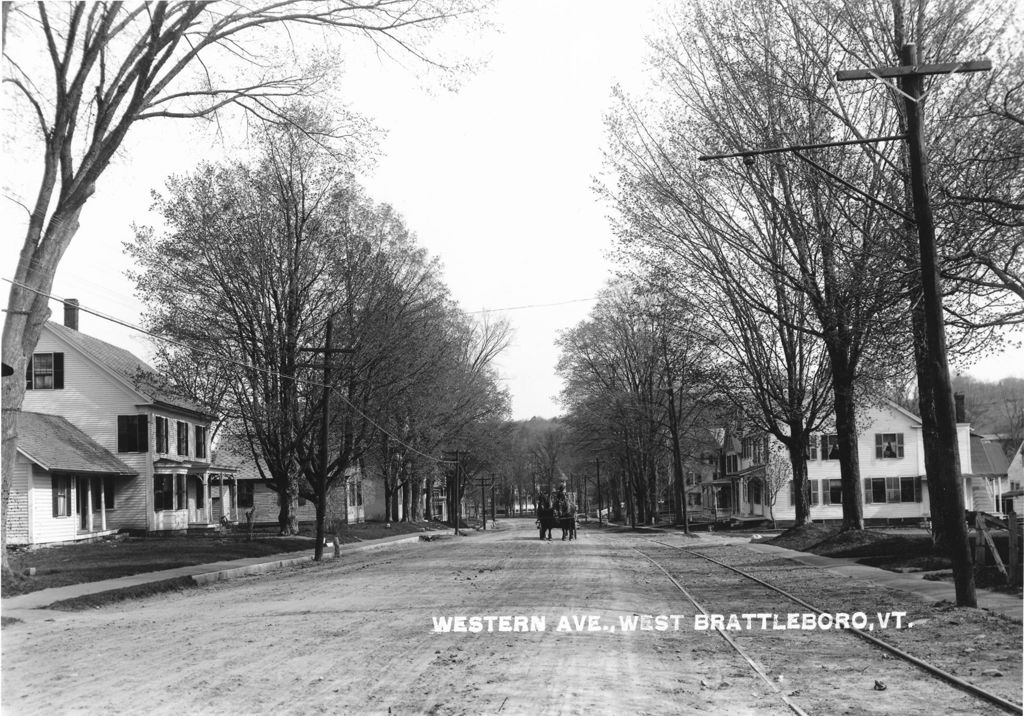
column 496, row 179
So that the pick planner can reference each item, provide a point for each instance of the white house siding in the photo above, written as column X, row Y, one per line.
column 19, row 523
column 45, row 527
column 880, row 419
column 91, row 400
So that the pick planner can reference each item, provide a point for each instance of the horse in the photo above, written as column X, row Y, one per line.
column 568, row 525
column 546, row 519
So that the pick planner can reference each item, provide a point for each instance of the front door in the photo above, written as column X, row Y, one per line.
column 196, row 499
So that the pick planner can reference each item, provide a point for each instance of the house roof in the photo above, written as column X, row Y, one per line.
column 54, row 444
column 233, row 454
column 142, row 377
column 987, row 457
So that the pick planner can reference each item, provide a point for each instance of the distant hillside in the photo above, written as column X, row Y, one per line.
column 994, row 408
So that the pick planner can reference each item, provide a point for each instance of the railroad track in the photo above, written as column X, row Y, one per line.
column 720, row 593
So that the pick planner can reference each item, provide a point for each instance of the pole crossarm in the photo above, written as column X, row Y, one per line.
column 946, row 68
column 800, row 147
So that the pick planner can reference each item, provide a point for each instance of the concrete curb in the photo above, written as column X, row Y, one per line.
column 219, row 575
column 201, row 574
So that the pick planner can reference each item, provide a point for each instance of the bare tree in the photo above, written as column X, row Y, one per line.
column 87, row 72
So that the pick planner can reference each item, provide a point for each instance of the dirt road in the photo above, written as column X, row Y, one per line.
column 419, row 629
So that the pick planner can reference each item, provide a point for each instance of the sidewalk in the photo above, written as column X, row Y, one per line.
column 200, row 573
column 1006, row 605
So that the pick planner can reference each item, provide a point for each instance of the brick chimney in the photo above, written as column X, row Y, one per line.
column 71, row 313
column 961, row 411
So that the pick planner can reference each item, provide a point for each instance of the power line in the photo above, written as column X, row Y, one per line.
column 533, row 305
column 230, row 361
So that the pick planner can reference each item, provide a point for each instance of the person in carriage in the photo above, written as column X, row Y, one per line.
column 565, row 512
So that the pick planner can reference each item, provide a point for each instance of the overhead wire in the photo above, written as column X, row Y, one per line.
column 230, row 361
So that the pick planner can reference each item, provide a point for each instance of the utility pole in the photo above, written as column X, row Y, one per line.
column 457, row 496
column 679, row 490
column 325, row 419
column 948, row 478
column 453, row 498
column 483, row 505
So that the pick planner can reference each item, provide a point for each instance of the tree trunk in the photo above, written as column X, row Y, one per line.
column 416, row 500
column 801, row 486
column 284, row 519
column 849, row 461
column 27, row 312
column 293, row 514
column 321, row 519
column 407, row 499
column 428, row 507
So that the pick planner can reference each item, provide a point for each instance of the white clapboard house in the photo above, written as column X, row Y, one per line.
column 104, row 447
column 890, row 451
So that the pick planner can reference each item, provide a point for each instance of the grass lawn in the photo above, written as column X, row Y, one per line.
column 912, row 551
column 93, row 561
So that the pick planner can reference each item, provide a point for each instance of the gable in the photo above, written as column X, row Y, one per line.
column 124, row 368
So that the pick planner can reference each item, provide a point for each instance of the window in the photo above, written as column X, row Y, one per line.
column 693, row 499
column 61, row 487
column 351, row 494
column 732, row 464
column 45, row 371
column 161, row 435
column 169, row 492
column 759, row 451
column 878, row 490
column 812, row 447
column 200, row 441
column 182, row 438
column 814, row 492
column 200, row 492
column 829, row 447
column 246, row 492
column 163, row 492
column 108, row 492
column 359, row 493
column 748, row 450
column 132, row 433
column 888, row 445
column 832, row 493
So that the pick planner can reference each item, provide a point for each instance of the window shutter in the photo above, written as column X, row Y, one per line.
column 54, row 487
column 28, row 374
column 826, row 495
column 899, row 444
column 824, row 447
column 142, row 437
column 878, row 446
column 917, row 489
column 868, row 497
column 58, row 370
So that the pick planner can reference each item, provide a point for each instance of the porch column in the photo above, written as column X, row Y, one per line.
column 88, row 504
column 103, row 504
column 207, row 508
column 220, row 486
column 234, row 500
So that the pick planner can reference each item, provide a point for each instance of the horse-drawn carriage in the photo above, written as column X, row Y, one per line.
column 558, row 512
